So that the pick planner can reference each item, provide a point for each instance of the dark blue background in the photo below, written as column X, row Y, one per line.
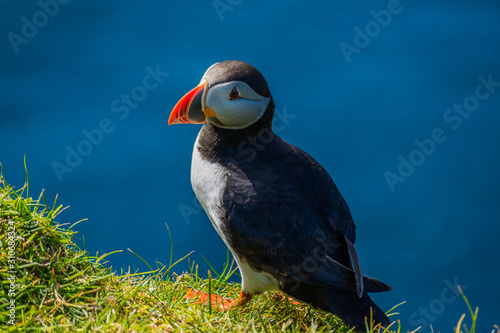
column 440, row 226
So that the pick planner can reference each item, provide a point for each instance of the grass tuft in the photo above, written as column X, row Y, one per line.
column 55, row 286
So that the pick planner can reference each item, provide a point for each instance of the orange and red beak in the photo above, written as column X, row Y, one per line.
column 191, row 108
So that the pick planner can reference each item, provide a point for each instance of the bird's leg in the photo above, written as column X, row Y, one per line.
column 240, row 301
column 218, row 301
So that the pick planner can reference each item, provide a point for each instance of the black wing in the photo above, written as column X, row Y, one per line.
column 291, row 221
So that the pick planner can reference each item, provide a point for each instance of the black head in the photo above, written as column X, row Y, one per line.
column 235, row 70
column 231, row 95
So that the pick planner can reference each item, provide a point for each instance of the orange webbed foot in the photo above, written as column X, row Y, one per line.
column 294, row 302
column 216, row 301
column 280, row 297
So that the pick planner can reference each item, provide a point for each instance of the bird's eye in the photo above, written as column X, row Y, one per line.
column 234, row 94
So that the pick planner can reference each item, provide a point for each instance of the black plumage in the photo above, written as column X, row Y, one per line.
column 281, row 213
column 284, row 215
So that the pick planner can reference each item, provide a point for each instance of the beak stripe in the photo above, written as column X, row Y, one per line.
column 179, row 114
column 204, row 96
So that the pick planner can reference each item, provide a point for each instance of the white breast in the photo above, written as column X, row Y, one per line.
column 208, row 180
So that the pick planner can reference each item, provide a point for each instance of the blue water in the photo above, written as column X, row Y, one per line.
column 356, row 111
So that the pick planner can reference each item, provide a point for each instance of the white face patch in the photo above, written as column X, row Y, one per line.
column 236, row 113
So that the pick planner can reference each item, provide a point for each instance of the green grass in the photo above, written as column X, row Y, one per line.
column 62, row 288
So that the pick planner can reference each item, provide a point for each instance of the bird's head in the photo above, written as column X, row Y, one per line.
column 232, row 95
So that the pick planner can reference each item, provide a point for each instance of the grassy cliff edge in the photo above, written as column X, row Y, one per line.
column 50, row 284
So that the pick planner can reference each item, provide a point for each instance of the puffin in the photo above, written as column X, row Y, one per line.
column 274, row 206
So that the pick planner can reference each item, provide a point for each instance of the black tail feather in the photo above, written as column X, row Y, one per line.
column 350, row 308
column 356, row 312
column 374, row 286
